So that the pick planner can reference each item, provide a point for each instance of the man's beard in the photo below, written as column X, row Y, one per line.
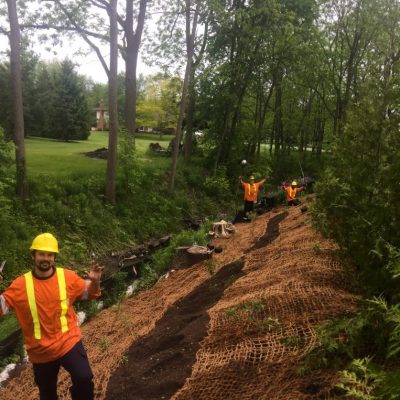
column 44, row 266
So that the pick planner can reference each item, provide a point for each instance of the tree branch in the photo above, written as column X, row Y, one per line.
column 100, row 4
column 4, row 31
column 84, row 36
column 66, row 29
column 198, row 58
column 140, row 20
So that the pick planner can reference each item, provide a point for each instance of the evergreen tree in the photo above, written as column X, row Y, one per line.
column 70, row 117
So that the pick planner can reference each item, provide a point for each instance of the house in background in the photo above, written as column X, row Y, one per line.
column 102, row 117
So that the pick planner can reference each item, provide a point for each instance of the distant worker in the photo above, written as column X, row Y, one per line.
column 291, row 192
column 42, row 300
column 250, row 193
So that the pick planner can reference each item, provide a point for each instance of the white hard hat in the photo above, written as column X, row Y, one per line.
column 244, row 162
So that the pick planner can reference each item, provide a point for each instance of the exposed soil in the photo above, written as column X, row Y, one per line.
column 240, row 334
column 101, row 153
column 158, row 364
column 271, row 233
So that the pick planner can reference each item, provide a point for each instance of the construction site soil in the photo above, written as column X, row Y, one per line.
column 234, row 327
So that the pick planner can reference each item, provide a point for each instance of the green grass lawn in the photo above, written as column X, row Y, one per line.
column 47, row 157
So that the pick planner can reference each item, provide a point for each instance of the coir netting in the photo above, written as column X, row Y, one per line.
column 259, row 330
column 264, row 325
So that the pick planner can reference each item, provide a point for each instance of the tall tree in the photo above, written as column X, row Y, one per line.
column 348, row 29
column 74, row 19
column 86, row 19
column 191, row 19
column 133, row 39
column 15, row 42
column 190, row 112
column 112, row 103
column 70, row 113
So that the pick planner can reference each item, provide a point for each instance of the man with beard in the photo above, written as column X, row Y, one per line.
column 42, row 300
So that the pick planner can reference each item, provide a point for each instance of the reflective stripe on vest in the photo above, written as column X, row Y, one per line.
column 249, row 188
column 32, row 302
column 63, row 299
column 292, row 193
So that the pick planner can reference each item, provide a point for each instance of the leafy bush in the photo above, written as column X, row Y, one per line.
column 365, row 380
column 218, row 185
column 350, row 344
column 117, row 289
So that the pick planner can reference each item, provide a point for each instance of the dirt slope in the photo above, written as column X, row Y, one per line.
column 238, row 334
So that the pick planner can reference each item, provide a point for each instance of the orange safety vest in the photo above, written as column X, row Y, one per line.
column 291, row 193
column 30, row 291
column 44, row 311
column 251, row 191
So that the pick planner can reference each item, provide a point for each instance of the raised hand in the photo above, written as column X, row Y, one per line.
column 95, row 272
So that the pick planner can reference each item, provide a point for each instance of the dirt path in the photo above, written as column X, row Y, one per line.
column 239, row 334
column 162, row 360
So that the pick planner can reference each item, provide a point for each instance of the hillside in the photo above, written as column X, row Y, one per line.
column 237, row 333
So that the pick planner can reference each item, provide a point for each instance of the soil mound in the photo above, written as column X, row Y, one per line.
column 101, row 153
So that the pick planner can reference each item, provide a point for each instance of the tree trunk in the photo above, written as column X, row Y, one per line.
column 15, row 61
column 263, row 113
column 189, row 119
column 224, row 130
column 113, row 105
column 190, row 35
column 133, row 40
column 278, row 124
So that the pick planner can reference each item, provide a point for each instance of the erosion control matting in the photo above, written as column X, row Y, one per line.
column 158, row 364
column 253, row 335
column 264, row 325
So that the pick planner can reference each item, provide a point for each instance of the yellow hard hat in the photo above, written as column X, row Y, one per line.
column 294, row 183
column 45, row 242
column 251, row 177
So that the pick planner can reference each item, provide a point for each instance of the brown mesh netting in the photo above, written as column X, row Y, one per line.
column 265, row 323
column 258, row 331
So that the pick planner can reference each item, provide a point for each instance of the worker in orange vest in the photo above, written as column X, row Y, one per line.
column 291, row 192
column 250, row 191
column 42, row 300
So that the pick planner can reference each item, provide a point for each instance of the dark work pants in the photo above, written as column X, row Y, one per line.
column 248, row 206
column 294, row 202
column 77, row 364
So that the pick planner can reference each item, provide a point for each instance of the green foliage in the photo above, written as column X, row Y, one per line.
column 365, row 380
column 89, row 307
column 162, row 259
column 217, row 185
column 128, row 163
column 6, row 182
column 252, row 311
column 17, row 356
column 104, row 344
column 8, row 324
column 70, row 115
column 352, row 342
column 117, row 289
column 211, row 266
column 148, row 277
column 158, row 105
column 55, row 99
column 359, row 381
column 372, row 331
